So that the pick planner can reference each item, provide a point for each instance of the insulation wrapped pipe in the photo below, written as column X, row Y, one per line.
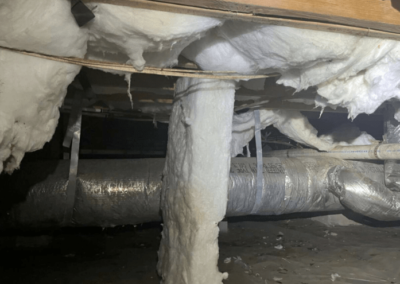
column 121, row 192
column 363, row 195
column 362, row 152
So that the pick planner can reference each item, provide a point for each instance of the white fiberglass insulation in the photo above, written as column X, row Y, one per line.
column 348, row 134
column 289, row 122
column 32, row 89
column 196, row 181
column 358, row 73
column 144, row 37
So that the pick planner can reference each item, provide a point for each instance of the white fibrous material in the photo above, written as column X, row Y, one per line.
column 296, row 126
column 358, row 73
column 144, row 37
column 41, row 26
column 348, row 135
column 196, row 181
column 217, row 54
column 396, row 106
column 32, row 89
column 288, row 122
column 243, row 128
column 366, row 91
column 282, row 48
column 263, row 48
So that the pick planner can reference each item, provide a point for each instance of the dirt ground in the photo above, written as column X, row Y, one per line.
column 256, row 251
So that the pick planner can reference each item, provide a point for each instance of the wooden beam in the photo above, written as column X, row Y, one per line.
column 374, row 14
column 374, row 18
column 135, row 95
column 138, row 80
column 127, row 68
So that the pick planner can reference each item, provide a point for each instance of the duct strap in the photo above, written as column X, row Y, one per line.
column 392, row 136
column 260, row 176
column 74, row 131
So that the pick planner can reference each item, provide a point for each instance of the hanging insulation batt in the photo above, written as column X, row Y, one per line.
column 143, row 37
column 32, row 89
column 358, row 73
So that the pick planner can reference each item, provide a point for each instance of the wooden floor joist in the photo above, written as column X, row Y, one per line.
column 375, row 14
column 374, row 18
column 127, row 68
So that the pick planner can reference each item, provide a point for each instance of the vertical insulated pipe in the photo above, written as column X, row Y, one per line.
column 195, row 186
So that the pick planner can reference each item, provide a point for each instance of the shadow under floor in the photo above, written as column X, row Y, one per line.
column 289, row 251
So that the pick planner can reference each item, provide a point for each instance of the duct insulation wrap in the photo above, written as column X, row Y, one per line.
column 392, row 167
column 382, row 151
column 121, row 192
column 195, row 185
column 358, row 192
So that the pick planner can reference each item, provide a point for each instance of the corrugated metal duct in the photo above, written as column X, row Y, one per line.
column 121, row 192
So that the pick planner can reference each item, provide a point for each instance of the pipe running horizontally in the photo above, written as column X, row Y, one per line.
column 121, row 192
column 362, row 152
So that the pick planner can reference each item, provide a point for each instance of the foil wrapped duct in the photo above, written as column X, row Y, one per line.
column 108, row 193
column 290, row 185
column 358, row 192
column 122, row 192
column 117, row 192
column 39, row 191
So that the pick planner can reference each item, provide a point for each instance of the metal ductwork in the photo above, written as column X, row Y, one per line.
column 121, row 192
column 363, row 195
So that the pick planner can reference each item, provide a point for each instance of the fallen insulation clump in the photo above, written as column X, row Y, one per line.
column 32, row 89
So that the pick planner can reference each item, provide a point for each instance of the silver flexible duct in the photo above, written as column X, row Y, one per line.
column 363, row 195
column 108, row 193
column 120, row 192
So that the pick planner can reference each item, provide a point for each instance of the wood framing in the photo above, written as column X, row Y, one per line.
column 374, row 14
column 97, row 64
column 375, row 18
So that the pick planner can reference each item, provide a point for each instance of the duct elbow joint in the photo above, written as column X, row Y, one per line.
column 335, row 182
